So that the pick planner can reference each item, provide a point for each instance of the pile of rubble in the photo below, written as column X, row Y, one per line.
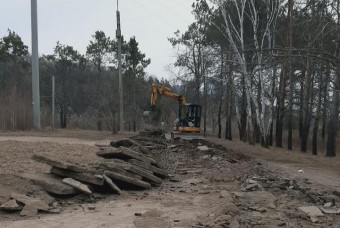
column 127, row 165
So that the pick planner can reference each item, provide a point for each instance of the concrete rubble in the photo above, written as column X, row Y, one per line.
column 123, row 165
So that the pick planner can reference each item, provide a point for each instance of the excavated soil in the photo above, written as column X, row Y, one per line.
column 220, row 187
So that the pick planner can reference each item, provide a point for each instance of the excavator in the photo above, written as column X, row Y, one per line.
column 188, row 116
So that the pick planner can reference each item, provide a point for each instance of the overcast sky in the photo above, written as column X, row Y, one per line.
column 72, row 22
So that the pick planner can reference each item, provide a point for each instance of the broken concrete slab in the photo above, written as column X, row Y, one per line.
column 128, row 180
column 10, row 205
column 130, row 170
column 114, row 187
column 145, row 174
column 147, row 166
column 85, row 177
column 119, row 168
column 51, row 184
column 29, row 211
column 124, row 154
column 33, row 202
column 77, row 185
column 60, row 164
column 130, row 143
column 312, row 211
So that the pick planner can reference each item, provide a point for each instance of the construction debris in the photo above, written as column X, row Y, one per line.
column 85, row 177
column 77, row 185
column 130, row 143
column 124, row 153
column 114, row 187
column 128, row 180
column 51, row 184
column 10, row 205
column 33, row 202
column 127, row 164
column 59, row 164
column 312, row 211
column 29, row 211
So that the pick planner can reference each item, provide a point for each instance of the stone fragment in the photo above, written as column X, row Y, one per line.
column 130, row 143
column 234, row 224
column 77, row 185
column 85, row 177
column 29, row 211
column 314, row 219
column 112, row 185
column 271, row 206
column 128, row 180
column 147, row 166
column 125, row 154
column 132, row 171
column 203, row 148
column 51, row 184
column 329, row 210
column 33, row 202
column 10, row 205
column 60, row 164
column 312, row 211
column 54, row 211
column 252, row 187
column 328, row 204
column 119, row 168
column 91, row 207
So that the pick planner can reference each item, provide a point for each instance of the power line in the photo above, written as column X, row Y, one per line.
column 154, row 14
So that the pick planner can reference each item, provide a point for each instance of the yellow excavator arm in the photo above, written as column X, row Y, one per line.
column 165, row 91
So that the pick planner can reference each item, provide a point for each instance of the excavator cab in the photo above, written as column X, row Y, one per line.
column 189, row 118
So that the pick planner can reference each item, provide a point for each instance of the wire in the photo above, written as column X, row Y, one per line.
column 154, row 14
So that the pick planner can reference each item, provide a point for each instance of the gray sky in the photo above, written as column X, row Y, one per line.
column 72, row 22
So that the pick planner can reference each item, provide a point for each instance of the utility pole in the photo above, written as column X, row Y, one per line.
column 119, row 38
column 35, row 66
column 53, row 100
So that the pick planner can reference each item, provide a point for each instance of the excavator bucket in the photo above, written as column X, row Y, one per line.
column 152, row 117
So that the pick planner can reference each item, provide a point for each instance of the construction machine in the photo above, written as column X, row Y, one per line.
column 188, row 115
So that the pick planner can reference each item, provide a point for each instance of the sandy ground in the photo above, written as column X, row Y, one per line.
column 201, row 193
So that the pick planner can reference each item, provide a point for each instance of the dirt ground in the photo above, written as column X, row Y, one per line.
column 207, row 188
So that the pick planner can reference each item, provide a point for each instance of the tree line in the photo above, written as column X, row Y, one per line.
column 86, row 86
column 270, row 65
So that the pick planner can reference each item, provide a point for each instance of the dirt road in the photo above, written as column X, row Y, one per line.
column 208, row 188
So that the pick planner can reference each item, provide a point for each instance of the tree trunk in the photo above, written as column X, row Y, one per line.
column 317, row 117
column 325, row 103
column 219, row 134
column 228, row 130
column 205, row 106
column 63, row 116
column 290, row 72
column 301, row 105
column 306, row 105
column 280, row 107
column 243, row 122
column 334, row 115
